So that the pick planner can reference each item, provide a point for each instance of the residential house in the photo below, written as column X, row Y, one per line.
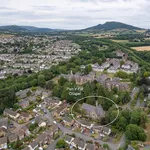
column 25, row 130
column 78, row 143
column 68, row 139
column 24, row 117
column 38, row 92
column 20, row 135
column 94, row 112
column 11, row 113
column 67, row 121
column 37, row 110
column 12, row 138
column 24, row 103
column 98, row 129
column 3, row 132
column 111, row 83
column 60, row 110
column 90, row 146
column 42, row 123
column 130, row 148
column 121, row 54
column 22, row 93
column 26, row 148
column 42, row 139
column 53, row 129
column 32, row 98
column 97, row 68
column 3, row 123
column 33, row 145
column 45, row 95
column 3, row 143
column 106, row 130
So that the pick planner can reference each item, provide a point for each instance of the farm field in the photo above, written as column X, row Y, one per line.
column 142, row 48
column 6, row 35
column 121, row 41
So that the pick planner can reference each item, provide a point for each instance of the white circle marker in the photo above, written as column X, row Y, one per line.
column 92, row 97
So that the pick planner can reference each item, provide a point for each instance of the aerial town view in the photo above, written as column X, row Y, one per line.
column 74, row 75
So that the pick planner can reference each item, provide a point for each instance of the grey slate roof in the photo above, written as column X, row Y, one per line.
column 90, row 108
column 3, row 140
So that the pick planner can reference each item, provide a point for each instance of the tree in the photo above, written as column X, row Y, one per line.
column 122, row 123
column 61, row 144
column 41, row 80
column 135, row 117
column 34, row 82
column 62, row 81
column 106, row 146
column 87, row 69
column 134, row 132
column 50, row 85
column 122, row 74
column 57, row 91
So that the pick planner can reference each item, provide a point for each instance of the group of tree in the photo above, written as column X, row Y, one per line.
column 129, row 121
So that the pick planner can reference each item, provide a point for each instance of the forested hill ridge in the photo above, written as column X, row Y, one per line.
column 113, row 25
column 16, row 28
column 101, row 27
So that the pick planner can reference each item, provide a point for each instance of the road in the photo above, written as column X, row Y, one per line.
column 134, row 91
column 17, row 126
column 52, row 146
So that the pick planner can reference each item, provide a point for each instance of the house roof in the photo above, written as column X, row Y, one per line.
column 89, row 108
column 3, row 140
column 22, row 94
column 54, row 127
column 24, row 102
column 68, row 138
column 26, row 148
column 41, row 137
column 33, row 144
column 89, row 146
column 25, row 128
column 12, row 137
column 79, row 142
column 10, row 112
column 20, row 133
column 3, row 130
column 67, row 119
column 32, row 98
column 24, row 114
column 3, row 123
column 106, row 129
column 61, row 108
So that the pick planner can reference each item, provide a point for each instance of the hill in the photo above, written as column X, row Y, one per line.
column 15, row 28
column 112, row 26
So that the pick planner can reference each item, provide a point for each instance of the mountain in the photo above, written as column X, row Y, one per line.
column 15, row 28
column 12, row 28
column 113, row 25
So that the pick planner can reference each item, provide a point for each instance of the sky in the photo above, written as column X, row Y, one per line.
column 74, row 14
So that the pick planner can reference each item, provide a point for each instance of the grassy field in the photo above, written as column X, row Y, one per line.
column 141, row 31
column 6, row 35
column 121, row 41
column 142, row 48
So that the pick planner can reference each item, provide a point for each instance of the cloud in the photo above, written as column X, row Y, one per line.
column 74, row 14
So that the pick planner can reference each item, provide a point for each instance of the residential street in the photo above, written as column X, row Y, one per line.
column 87, row 138
column 134, row 91
column 53, row 145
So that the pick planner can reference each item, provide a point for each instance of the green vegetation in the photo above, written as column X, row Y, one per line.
column 62, row 144
column 134, row 132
